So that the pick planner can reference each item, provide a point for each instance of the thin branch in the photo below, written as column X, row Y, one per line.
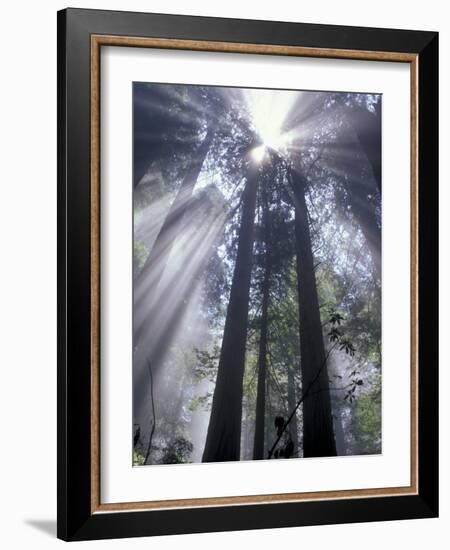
column 300, row 401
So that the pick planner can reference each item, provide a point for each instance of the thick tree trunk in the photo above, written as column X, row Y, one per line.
column 258, row 448
column 364, row 191
column 292, row 402
column 156, row 262
column 318, row 436
column 224, row 431
column 368, row 130
column 364, row 212
column 174, row 299
column 269, row 423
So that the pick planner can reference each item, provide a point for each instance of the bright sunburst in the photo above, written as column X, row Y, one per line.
column 268, row 112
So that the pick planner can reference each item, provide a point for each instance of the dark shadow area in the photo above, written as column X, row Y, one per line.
column 46, row 526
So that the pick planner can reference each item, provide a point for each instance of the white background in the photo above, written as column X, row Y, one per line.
column 119, row 481
column 28, row 275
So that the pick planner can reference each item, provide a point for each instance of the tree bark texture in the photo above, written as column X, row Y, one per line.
column 258, row 448
column 318, row 436
column 224, row 431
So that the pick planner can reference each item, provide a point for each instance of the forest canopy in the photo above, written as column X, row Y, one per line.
column 256, row 274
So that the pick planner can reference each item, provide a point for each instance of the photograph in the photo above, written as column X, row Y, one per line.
column 257, row 295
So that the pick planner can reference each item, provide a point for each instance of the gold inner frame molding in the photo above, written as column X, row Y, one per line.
column 97, row 41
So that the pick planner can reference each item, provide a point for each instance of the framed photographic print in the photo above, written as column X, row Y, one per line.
column 247, row 274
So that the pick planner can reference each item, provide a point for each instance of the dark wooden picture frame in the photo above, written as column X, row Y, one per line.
column 81, row 34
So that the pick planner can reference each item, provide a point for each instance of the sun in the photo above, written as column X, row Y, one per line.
column 258, row 153
column 268, row 110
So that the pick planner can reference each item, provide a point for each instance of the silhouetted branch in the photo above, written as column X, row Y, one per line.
column 300, row 401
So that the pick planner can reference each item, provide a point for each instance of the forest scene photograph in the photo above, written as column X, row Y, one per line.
column 256, row 274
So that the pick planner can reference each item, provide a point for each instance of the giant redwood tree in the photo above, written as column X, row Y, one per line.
column 223, row 438
column 258, row 447
column 318, row 436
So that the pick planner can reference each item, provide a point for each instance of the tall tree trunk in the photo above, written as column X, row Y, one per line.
column 174, row 299
column 224, row 431
column 156, row 262
column 269, row 424
column 258, row 447
column 364, row 212
column 364, row 191
column 318, row 436
column 292, row 402
column 368, row 130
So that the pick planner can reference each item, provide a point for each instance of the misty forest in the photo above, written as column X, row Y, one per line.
column 256, row 273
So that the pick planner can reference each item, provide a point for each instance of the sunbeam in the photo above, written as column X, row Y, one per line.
column 257, row 220
column 268, row 110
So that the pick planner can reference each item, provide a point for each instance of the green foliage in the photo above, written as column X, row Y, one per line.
column 150, row 189
column 251, row 378
column 140, row 253
column 368, row 424
column 336, row 318
column 336, row 336
column 198, row 402
column 346, row 345
column 206, row 364
column 177, row 451
column 213, row 303
column 138, row 459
